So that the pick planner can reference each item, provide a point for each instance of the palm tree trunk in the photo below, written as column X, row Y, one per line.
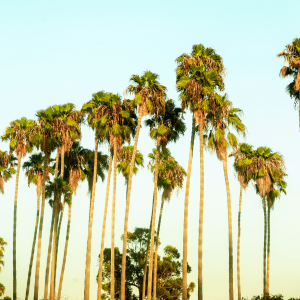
column 156, row 249
column 112, row 238
column 147, row 255
column 238, row 246
column 268, row 258
column 149, row 290
column 103, row 231
column 55, row 210
column 48, row 258
column 33, row 247
column 65, row 253
column 123, row 274
column 186, row 213
column 265, row 245
column 15, row 230
column 50, row 235
column 38, row 253
column 200, row 239
column 89, row 240
column 229, row 230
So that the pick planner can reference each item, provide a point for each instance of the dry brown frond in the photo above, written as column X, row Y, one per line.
column 74, row 179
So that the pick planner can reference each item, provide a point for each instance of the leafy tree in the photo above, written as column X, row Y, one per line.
column 7, row 164
column 34, row 173
column 169, row 283
column 291, row 55
column 149, row 96
column 2, row 245
column 199, row 74
column 18, row 133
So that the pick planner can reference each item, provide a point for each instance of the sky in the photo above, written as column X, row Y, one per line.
column 53, row 52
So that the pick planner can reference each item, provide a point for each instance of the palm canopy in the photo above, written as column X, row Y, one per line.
column 170, row 173
column 7, row 168
column 149, row 94
column 220, row 121
column 167, row 127
column 199, row 74
column 58, row 126
column 19, row 134
column 124, row 161
column 291, row 55
column 34, row 170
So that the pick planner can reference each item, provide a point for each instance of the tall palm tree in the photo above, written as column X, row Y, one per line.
column 7, row 164
column 199, row 74
column 18, row 133
column 291, row 55
column 34, row 173
column 242, row 164
column 221, row 119
column 170, row 178
column 149, row 96
column 164, row 128
column 90, row 109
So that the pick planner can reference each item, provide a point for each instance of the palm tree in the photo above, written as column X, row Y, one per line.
column 7, row 164
column 2, row 245
column 164, row 128
column 220, row 120
column 170, row 178
column 149, row 96
column 34, row 173
column 18, row 133
column 291, row 56
column 198, row 75
column 242, row 164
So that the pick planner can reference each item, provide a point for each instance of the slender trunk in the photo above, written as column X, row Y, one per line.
column 149, row 290
column 103, row 231
column 156, row 249
column 112, row 238
column 265, row 245
column 186, row 212
column 15, row 230
column 229, row 230
column 50, row 235
column 238, row 246
column 65, row 253
column 123, row 274
column 55, row 210
column 200, row 239
column 33, row 247
column 48, row 258
column 147, row 255
column 268, row 259
column 38, row 253
column 89, row 240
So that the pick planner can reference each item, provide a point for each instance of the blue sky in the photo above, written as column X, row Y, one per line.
column 54, row 52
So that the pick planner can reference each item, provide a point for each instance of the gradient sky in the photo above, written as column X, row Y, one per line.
column 54, row 52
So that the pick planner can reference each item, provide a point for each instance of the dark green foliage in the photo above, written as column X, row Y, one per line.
column 269, row 297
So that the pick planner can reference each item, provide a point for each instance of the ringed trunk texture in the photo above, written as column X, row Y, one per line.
column 15, row 230
column 150, row 273
column 265, row 246
column 112, row 238
column 89, row 240
column 229, row 230
column 52, row 286
column 186, row 213
column 65, row 253
column 123, row 274
column 200, row 239
column 156, row 249
column 147, row 256
column 48, row 258
column 38, row 253
column 103, row 232
column 33, row 247
column 238, row 246
column 268, row 254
